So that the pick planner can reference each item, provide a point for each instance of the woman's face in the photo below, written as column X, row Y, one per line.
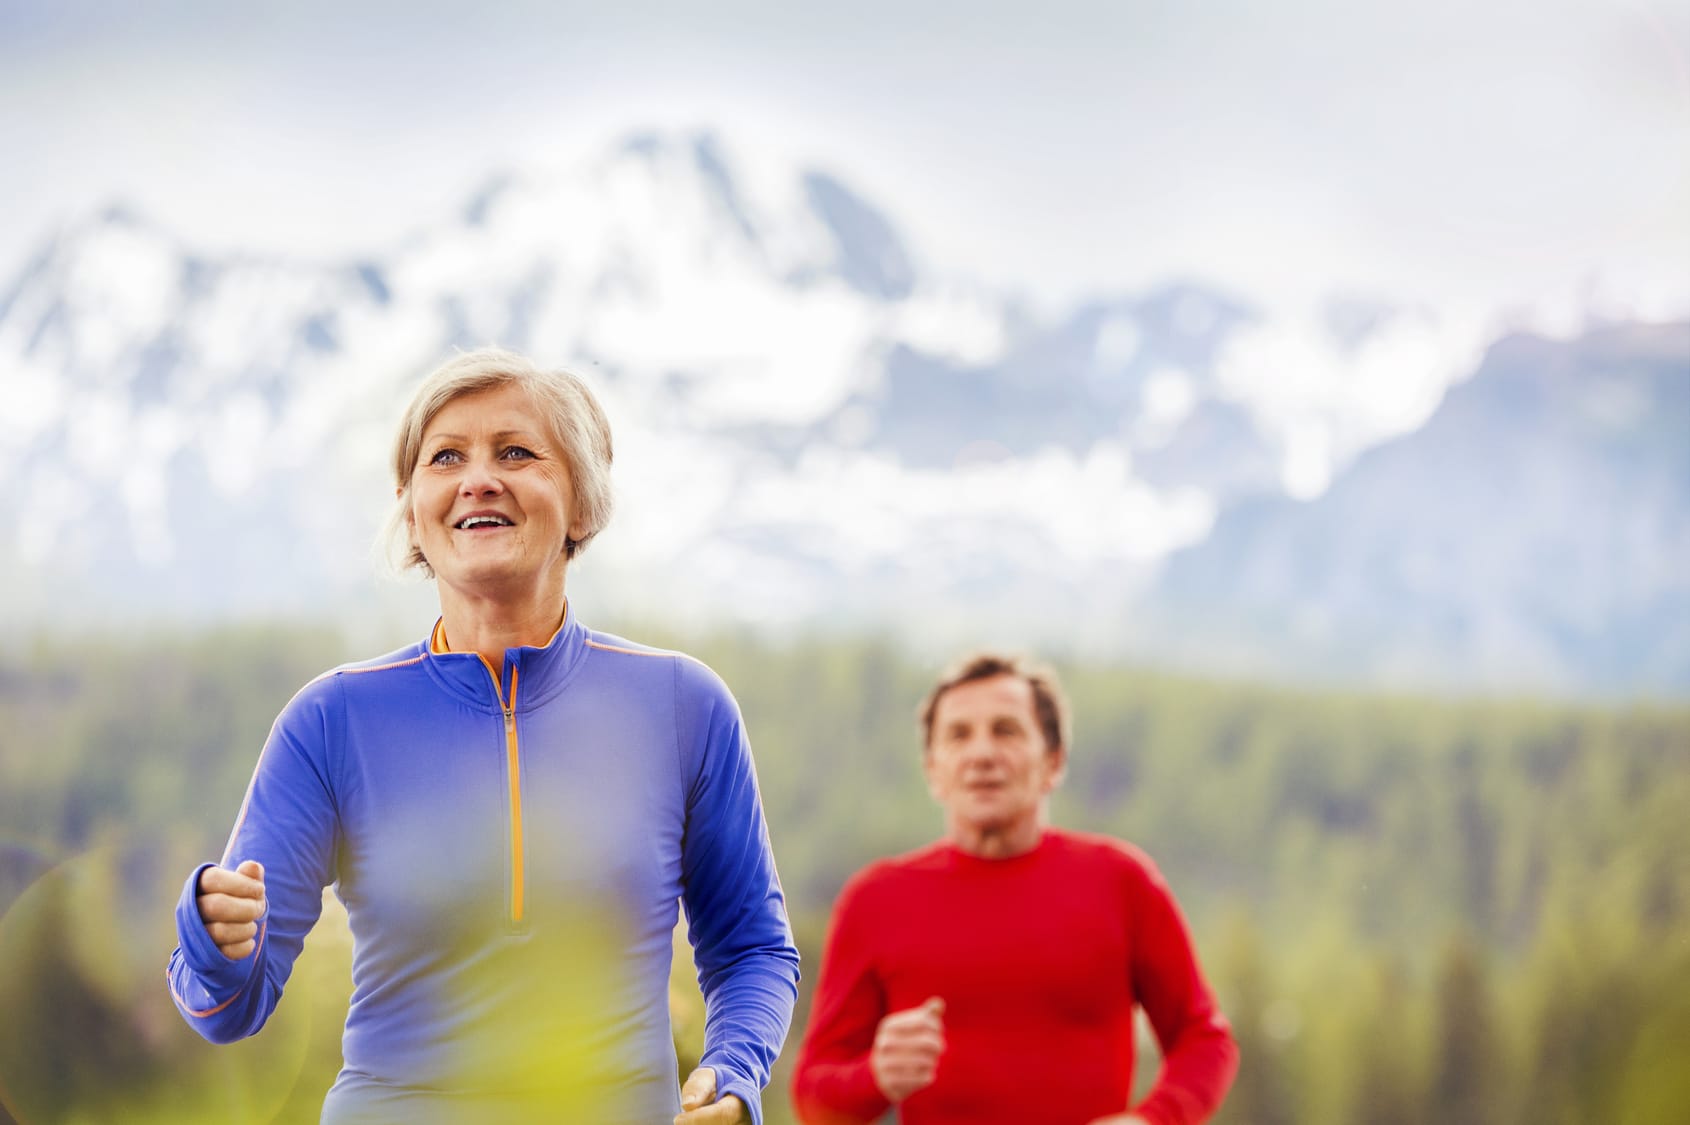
column 491, row 496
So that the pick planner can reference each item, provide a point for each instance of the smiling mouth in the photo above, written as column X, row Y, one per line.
column 472, row 523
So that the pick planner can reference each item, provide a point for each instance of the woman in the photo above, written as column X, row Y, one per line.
column 510, row 810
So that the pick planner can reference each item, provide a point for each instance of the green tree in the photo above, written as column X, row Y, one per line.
column 1389, row 1089
column 1262, row 1093
column 1468, row 1061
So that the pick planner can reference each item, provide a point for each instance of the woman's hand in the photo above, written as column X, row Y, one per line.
column 700, row 1107
column 231, row 903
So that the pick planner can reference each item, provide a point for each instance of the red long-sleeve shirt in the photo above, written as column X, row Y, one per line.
column 1040, row 959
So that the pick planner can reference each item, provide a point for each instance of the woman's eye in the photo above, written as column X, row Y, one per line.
column 445, row 457
column 517, row 453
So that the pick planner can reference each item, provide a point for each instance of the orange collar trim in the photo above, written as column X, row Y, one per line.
column 438, row 644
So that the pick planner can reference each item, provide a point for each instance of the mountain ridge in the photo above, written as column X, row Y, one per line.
column 815, row 427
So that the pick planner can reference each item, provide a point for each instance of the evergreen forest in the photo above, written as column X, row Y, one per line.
column 1413, row 909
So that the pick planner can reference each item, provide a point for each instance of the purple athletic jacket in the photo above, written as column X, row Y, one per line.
column 510, row 846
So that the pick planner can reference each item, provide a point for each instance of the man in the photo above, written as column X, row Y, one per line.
column 992, row 976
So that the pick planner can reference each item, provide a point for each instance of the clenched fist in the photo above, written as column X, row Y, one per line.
column 907, row 1046
column 231, row 903
column 700, row 1107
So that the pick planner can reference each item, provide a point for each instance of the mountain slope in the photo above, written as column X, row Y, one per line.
column 763, row 335
column 1535, row 530
column 817, row 428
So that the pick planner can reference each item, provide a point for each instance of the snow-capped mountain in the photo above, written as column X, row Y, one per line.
column 1535, row 530
column 814, row 426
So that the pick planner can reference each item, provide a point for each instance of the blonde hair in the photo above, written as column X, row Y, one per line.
column 567, row 407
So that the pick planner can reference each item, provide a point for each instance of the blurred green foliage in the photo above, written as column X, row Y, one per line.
column 1413, row 909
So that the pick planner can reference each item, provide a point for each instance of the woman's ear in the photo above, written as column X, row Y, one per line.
column 410, row 519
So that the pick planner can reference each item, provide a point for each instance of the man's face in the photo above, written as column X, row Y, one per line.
column 987, row 762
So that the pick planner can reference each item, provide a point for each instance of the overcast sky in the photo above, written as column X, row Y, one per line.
column 1485, row 152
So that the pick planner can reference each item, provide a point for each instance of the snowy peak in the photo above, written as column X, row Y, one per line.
column 813, row 425
column 1534, row 530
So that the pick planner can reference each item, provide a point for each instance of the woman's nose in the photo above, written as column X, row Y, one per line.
column 481, row 478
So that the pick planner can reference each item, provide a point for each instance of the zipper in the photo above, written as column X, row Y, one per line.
column 515, row 917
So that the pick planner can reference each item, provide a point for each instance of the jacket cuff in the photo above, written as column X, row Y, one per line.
column 730, row 1081
column 220, row 977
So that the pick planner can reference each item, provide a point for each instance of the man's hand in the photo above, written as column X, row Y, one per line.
column 907, row 1046
column 700, row 1107
column 231, row 902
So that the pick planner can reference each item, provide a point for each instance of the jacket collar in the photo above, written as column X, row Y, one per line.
column 539, row 671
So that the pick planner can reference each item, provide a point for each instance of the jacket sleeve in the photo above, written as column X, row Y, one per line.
column 832, row 1083
column 1199, row 1056
column 736, row 911
column 288, row 824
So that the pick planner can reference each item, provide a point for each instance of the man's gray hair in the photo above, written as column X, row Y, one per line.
column 1050, row 705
